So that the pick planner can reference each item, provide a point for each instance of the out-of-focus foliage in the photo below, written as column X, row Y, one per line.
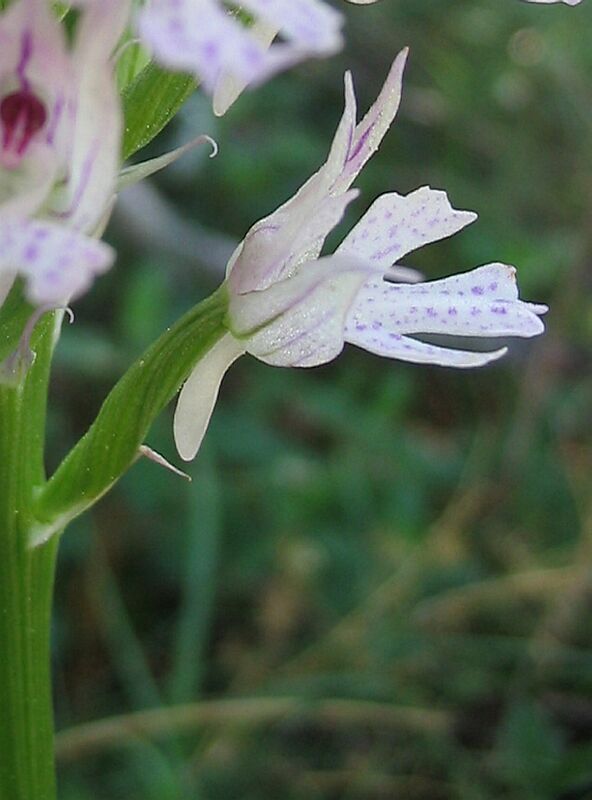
column 381, row 570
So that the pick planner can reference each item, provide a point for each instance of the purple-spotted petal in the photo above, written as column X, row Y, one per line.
column 57, row 263
column 202, row 37
column 313, row 25
column 482, row 302
column 397, row 224
column 299, row 321
column 403, row 348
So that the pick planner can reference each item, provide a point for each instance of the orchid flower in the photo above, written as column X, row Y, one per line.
column 204, row 38
column 60, row 131
column 288, row 306
column 547, row 2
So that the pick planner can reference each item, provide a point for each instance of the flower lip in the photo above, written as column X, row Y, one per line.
column 22, row 117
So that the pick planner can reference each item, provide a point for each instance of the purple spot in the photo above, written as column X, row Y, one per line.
column 477, row 290
column 31, row 252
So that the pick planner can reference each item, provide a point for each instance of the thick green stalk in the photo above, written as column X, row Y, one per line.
column 26, row 583
column 112, row 443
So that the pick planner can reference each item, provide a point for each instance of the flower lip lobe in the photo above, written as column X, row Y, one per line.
column 22, row 116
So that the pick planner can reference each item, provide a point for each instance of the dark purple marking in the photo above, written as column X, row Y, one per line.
column 476, row 290
column 22, row 115
column 26, row 53
column 359, row 145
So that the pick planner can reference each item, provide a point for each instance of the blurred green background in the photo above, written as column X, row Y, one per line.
column 378, row 584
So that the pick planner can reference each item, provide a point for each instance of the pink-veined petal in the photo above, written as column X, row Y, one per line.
column 198, row 395
column 58, row 263
column 96, row 146
column 299, row 321
column 276, row 245
column 395, row 224
column 33, row 47
column 34, row 61
column 271, row 254
column 292, row 234
column 370, row 132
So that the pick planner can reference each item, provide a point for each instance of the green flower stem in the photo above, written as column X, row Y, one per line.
column 26, row 582
column 33, row 512
column 112, row 443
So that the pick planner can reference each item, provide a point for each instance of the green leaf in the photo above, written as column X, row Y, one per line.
column 112, row 443
column 149, row 102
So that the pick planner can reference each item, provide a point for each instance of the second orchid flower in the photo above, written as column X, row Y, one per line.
column 288, row 306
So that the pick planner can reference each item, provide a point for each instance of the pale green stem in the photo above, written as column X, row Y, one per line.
column 27, row 769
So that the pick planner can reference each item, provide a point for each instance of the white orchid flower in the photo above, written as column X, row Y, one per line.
column 205, row 39
column 60, row 133
column 290, row 307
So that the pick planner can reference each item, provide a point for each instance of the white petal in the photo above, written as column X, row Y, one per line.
column 483, row 302
column 58, row 263
column 198, row 395
column 299, row 321
column 403, row 348
column 395, row 224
